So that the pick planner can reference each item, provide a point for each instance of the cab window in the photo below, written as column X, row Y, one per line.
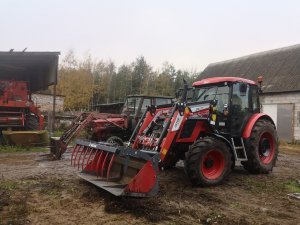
column 255, row 99
column 162, row 101
column 131, row 105
column 240, row 97
column 146, row 102
column 218, row 93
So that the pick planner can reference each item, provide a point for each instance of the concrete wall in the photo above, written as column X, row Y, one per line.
column 284, row 98
column 46, row 102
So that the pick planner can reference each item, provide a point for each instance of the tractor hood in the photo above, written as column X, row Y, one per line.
column 107, row 115
column 109, row 120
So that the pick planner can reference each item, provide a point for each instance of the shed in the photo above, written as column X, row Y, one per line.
column 39, row 69
column 281, row 86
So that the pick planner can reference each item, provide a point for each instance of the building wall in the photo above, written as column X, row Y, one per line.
column 46, row 102
column 284, row 98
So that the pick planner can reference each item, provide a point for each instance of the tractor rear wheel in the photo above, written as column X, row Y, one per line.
column 262, row 148
column 115, row 141
column 208, row 162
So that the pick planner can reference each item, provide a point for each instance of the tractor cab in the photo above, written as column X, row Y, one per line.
column 233, row 102
column 135, row 105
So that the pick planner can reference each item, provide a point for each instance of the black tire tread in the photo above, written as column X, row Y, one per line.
column 254, row 165
column 192, row 159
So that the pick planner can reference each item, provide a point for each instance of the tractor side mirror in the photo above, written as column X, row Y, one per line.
column 185, row 91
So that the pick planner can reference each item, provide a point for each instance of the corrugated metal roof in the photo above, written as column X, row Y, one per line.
column 279, row 67
column 37, row 68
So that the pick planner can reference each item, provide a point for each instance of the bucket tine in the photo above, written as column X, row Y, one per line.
column 119, row 170
column 95, row 159
column 110, row 165
column 88, row 160
column 87, row 153
column 103, row 164
column 99, row 162
column 83, row 151
column 77, row 152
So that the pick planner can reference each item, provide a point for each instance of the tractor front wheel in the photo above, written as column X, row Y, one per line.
column 262, row 148
column 208, row 162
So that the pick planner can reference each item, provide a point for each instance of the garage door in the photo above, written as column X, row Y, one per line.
column 271, row 110
column 282, row 115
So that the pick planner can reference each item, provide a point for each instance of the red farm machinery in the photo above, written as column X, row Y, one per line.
column 17, row 110
column 113, row 128
column 21, row 74
column 19, row 115
column 220, row 127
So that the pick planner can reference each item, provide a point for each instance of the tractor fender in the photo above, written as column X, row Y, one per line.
column 249, row 126
column 224, row 139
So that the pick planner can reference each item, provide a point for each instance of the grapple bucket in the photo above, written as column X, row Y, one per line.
column 119, row 170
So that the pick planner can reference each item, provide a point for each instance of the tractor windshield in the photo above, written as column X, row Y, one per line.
column 131, row 105
column 209, row 93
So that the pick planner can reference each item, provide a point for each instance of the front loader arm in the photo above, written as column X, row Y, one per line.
column 59, row 146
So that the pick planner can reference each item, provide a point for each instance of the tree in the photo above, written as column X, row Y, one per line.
column 140, row 76
column 74, row 82
column 86, row 83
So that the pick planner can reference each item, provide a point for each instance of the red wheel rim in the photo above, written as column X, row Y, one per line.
column 213, row 164
column 266, row 148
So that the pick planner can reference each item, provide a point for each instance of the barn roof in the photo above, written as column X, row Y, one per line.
column 279, row 67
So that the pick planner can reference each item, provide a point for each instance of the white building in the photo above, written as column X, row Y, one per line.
column 45, row 101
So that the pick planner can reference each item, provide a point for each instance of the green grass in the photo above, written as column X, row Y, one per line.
column 261, row 186
column 292, row 186
column 289, row 186
column 58, row 133
column 8, row 185
column 12, row 149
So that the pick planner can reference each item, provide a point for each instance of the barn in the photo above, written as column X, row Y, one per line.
column 281, row 85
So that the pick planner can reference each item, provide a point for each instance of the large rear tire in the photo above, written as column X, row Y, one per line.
column 262, row 148
column 208, row 162
column 115, row 141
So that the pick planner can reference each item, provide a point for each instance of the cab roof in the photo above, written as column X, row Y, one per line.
column 215, row 80
column 149, row 96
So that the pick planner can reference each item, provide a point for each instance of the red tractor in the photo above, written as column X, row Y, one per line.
column 116, row 128
column 17, row 110
column 221, row 127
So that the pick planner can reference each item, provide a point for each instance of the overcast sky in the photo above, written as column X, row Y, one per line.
column 189, row 34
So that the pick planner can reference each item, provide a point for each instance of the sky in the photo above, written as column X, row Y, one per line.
column 189, row 34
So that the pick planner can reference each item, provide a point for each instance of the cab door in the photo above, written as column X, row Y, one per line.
column 240, row 110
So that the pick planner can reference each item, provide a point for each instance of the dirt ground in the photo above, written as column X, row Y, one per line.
column 36, row 190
